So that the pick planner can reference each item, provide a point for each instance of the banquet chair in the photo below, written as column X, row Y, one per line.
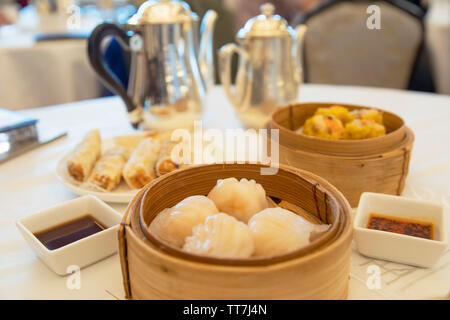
column 340, row 48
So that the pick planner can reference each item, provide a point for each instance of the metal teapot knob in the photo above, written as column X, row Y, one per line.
column 267, row 9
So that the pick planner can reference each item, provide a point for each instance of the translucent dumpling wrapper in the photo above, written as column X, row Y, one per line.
column 174, row 224
column 278, row 231
column 221, row 236
column 241, row 199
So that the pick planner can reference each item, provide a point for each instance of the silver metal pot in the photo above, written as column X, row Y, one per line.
column 170, row 68
column 269, row 69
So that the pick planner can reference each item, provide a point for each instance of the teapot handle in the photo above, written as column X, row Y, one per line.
column 205, row 53
column 298, row 53
column 225, row 56
column 108, row 78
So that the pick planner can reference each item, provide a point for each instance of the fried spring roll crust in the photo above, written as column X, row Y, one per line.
column 130, row 142
column 80, row 164
column 165, row 164
column 108, row 169
column 140, row 168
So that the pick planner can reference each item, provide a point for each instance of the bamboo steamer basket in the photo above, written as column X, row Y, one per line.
column 353, row 166
column 153, row 270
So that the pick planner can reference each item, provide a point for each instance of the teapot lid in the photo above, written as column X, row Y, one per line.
column 163, row 11
column 266, row 24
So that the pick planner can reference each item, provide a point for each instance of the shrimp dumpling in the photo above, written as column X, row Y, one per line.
column 174, row 224
column 277, row 231
column 221, row 236
column 241, row 199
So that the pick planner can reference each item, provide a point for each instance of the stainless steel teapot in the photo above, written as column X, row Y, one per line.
column 269, row 69
column 170, row 68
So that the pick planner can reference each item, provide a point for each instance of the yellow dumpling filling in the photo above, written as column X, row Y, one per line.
column 363, row 129
column 368, row 114
column 338, row 112
column 324, row 126
column 337, row 122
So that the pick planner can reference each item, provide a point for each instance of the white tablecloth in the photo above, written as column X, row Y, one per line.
column 28, row 184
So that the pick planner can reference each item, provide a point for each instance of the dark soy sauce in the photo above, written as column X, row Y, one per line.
column 68, row 232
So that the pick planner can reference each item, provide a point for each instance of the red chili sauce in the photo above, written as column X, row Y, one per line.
column 399, row 225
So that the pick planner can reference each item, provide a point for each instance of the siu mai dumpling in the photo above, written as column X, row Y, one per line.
column 174, row 224
column 368, row 114
column 323, row 126
column 221, row 236
column 277, row 231
column 364, row 129
column 339, row 112
column 241, row 199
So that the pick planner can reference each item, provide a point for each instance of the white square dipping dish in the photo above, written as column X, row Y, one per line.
column 80, row 253
column 398, row 247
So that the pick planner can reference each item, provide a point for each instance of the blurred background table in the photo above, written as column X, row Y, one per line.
column 43, row 63
column 43, row 57
column 36, row 71
column 28, row 184
column 36, row 74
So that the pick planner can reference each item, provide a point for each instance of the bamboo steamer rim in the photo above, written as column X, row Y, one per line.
column 406, row 144
column 220, row 261
column 146, row 248
column 342, row 220
column 360, row 147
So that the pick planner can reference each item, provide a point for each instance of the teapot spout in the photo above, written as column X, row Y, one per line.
column 205, row 55
column 298, row 51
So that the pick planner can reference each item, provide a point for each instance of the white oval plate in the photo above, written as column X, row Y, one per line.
column 121, row 194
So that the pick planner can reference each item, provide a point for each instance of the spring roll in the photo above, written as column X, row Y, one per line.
column 165, row 164
column 140, row 168
column 108, row 169
column 83, row 159
column 130, row 142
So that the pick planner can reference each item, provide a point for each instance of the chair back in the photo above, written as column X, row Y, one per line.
column 341, row 49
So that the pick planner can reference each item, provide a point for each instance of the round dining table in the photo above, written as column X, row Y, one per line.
column 45, row 64
column 28, row 184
